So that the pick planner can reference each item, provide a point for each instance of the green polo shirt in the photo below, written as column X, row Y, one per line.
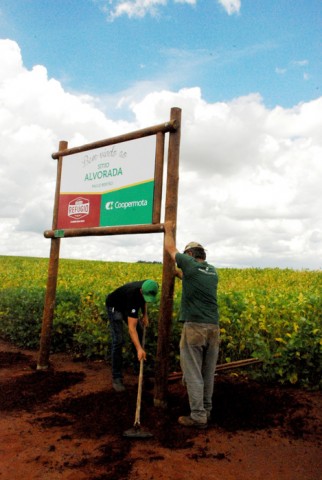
column 199, row 290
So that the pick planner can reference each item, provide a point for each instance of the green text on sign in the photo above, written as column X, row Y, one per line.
column 128, row 206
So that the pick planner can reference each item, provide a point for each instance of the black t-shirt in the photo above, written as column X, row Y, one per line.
column 127, row 299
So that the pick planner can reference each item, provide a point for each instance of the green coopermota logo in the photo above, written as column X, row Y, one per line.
column 124, row 205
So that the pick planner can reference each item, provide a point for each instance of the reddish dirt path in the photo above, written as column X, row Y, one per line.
column 68, row 424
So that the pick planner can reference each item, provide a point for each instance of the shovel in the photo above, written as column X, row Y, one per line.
column 136, row 431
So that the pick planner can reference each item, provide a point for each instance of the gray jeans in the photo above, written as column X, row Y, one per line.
column 199, row 348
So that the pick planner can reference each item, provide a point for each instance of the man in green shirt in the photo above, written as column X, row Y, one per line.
column 199, row 343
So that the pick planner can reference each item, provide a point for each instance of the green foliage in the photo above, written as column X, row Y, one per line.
column 270, row 314
column 21, row 312
column 281, row 325
column 66, row 317
column 91, row 336
column 20, row 315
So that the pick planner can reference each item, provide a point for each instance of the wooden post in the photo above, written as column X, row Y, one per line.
column 168, row 278
column 50, row 299
column 159, row 163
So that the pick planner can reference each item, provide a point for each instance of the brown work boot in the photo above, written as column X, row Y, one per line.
column 190, row 422
column 118, row 385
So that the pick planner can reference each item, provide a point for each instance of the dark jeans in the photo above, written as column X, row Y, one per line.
column 116, row 322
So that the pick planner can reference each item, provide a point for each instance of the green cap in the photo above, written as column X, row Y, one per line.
column 149, row 291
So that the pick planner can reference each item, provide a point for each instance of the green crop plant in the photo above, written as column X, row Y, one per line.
column 271, row 314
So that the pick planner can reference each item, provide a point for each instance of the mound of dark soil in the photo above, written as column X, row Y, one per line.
column 75, row 422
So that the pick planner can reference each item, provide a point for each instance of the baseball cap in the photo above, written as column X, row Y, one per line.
column 192, row 245
column 149, row 290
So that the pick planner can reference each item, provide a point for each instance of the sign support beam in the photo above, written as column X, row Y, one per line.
column 99, row 231
column 168, row 277
column 50, row 299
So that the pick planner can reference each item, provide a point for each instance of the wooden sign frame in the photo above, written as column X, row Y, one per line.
column 173, row 127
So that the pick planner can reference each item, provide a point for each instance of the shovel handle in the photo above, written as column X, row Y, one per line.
column 139, row 395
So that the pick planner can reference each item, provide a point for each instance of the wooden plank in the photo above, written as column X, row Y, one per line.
column 99, row 231
column 145, row 132
column 223, row 367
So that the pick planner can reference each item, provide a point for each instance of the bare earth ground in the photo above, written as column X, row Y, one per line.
column 68, row 424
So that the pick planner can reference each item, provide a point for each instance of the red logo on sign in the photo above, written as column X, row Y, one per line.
column 81, row 212
column 78, row 208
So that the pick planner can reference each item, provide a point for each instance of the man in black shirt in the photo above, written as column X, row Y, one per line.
column 124, row 304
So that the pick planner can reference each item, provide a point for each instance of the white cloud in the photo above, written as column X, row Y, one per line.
column 135, row 8
column 231, row 6
column 294, row 65
column 300, row 63
column 140, row 8
column 249, row 175
column 280, row 71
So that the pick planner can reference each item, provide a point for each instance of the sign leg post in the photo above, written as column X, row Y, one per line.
column 48, row 314
column 50, row 298
column 168, row 278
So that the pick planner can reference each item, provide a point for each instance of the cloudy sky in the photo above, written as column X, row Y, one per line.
column 247, row 76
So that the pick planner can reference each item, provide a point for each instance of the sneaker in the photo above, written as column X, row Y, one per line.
column 118, row 385
column 189, row 422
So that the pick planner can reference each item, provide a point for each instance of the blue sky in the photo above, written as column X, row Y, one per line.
column 247, row 76
column 271, row 47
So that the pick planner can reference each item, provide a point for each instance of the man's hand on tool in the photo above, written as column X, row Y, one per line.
column 141, row 354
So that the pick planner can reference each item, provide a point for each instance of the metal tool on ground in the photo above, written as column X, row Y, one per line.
column 137, row 431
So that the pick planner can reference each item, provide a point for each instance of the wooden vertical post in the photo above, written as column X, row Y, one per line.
column 50, row 298
column 168, row 278
column 158, row 177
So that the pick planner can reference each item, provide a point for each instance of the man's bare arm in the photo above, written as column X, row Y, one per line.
column 132, row 323
column 169, row 242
